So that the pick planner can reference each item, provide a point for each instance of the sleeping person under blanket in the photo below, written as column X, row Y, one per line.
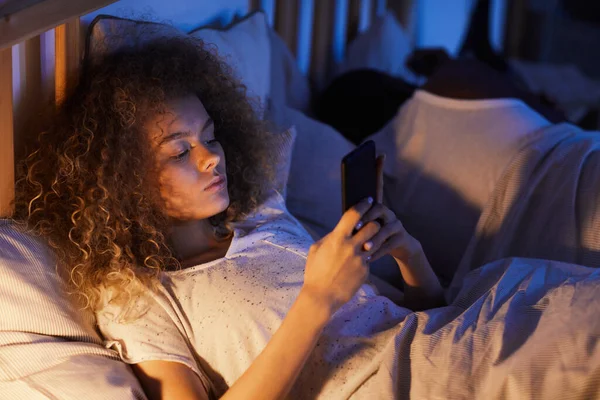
column 155, row 187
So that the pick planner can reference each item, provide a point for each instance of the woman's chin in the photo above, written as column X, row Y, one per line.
column 218, row 204
column 203, row 209
column 224, row 203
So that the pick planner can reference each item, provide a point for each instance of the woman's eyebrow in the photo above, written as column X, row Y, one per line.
column 207, row 124
column 178, row 135
column 174, row 136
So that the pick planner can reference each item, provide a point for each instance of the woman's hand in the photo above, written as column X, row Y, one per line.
column 392, row 238
column 337, row 265
column 422, row 289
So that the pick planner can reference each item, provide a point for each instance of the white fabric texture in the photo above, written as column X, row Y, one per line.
column 546, row 205
column 282, row 145
column 518, row 329
column 229, row 308
column 444, row 158
column 47, row 348
column 244, row 46
column 384, row 47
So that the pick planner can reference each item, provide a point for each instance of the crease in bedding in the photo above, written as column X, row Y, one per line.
column 518, row 329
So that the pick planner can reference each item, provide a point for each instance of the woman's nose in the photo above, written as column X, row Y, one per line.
column 207, row 160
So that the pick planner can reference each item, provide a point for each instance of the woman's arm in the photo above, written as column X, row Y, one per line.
column 169, row 380
column 270, row 376
column 422, row 289
column 336, row 266
column 274, row 371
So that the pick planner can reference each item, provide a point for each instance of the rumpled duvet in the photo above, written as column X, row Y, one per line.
column 517, row 326
column 518, row 329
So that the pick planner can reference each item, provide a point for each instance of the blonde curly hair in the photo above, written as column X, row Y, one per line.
column 90, row 187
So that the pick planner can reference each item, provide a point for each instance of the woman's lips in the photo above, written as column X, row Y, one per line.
column 217, row 184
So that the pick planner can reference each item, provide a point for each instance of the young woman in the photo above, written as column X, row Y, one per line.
column 154, row 186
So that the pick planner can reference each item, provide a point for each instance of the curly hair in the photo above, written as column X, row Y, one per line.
column 90, row 187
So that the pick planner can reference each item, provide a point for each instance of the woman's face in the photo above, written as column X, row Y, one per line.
column 191, row 163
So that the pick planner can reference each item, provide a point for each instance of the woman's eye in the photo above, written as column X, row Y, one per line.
column 181, row 155
column 211, row 141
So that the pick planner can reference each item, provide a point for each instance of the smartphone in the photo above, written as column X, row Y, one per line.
column 359, row 175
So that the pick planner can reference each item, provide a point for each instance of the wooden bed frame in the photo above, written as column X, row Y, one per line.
column 41, row 46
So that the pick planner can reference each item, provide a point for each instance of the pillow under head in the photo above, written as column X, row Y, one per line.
column 244, row 45
column 48, row 348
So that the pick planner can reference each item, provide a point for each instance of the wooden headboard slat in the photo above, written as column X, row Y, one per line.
column 321, row 41
column 48, row 65
column 7, row 175
column 27, row 95
column 286, row 23
column 68, row 51
column 40, row 17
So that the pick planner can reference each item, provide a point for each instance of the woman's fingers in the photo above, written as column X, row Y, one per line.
column 392, row 230
column 378, row 212
column 384, row 250
column 366, row 235
column 400, row 245
column 352, row 217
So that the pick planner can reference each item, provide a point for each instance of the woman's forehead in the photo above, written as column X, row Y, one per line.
column 187, row 110
column 182, row 113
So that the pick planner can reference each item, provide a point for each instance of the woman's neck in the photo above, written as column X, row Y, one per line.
column 194, row 243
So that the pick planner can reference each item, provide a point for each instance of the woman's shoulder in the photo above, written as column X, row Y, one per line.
column 272, row 216
column 271, row 208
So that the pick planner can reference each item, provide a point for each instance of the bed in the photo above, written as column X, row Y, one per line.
column 514, row 327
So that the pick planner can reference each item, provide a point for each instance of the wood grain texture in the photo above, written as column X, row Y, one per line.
column 41, row 16
column 47, row 65
column 7, row 169
column 321, row 42
column 27, row 95
column 286, row 22
column 68, row 51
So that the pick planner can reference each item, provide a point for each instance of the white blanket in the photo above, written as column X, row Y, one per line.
column 518, row 329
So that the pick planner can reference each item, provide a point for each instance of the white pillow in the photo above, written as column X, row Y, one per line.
column 282, row 147
column 48, row 349
column 383, row 47
column 244, row 45
column 314, row 190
